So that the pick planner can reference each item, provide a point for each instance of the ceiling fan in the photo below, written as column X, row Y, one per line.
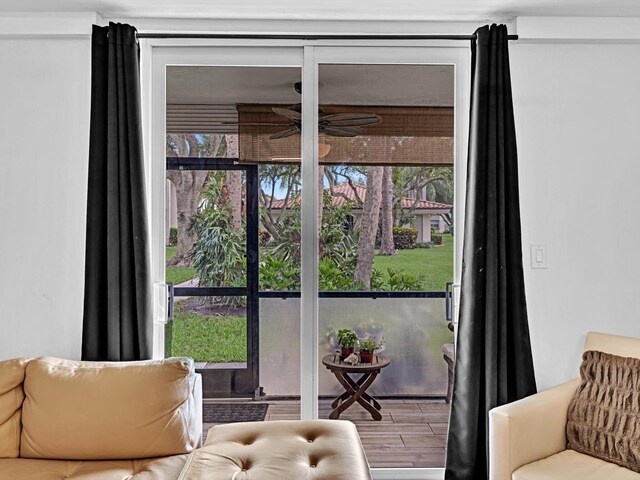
column 336, row 125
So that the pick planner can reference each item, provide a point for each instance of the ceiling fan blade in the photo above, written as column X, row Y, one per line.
column 297, row 107
column 350, row 119
column 341, row 131
column 285, row 133
column 285, row 112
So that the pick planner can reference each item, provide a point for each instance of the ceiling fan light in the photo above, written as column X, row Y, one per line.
column 323, row 149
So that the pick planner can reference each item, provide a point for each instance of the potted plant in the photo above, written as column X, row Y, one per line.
column 347, row 339
column 368, row 346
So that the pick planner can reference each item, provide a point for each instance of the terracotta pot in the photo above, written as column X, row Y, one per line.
column 366, row 357
column 346, row 351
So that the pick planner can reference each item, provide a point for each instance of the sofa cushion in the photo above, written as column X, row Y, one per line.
column 11, row 397
column 108, row 410
column 280, row 450
column 165, row 468
column 603, row 419
column 571, row 465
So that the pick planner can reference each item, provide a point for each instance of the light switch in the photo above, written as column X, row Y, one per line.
column 539, row 256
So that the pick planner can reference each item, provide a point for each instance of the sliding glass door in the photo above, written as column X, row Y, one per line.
column 352, row 158
column 385, row 210
column 232, row 182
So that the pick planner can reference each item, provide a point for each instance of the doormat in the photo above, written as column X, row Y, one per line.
column 231, row 412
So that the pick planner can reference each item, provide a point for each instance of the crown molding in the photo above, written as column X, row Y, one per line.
column 50, row 24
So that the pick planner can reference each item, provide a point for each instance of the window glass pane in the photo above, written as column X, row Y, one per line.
column 386, row 254
column 232, row 210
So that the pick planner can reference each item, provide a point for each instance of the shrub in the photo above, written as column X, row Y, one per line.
column 424, row 245
column 173, row 237
column 287, row 245
column 436, row 239
column 218, row 255
column 338, row 244
column 278, row 275
column 332, row 278
column 404, row 237
column 401, row 281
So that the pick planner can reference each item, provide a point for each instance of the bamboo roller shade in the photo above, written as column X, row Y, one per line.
column 406, row 136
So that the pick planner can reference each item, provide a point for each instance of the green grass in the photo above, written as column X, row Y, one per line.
column 176, row 275
column 209, row 338
column 436, row 264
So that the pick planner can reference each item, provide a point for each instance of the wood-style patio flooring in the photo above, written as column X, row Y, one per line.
column 412, row 433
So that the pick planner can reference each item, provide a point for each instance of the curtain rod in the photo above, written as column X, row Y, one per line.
column 310, row 37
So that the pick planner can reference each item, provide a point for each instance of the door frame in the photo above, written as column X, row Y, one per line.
column 307, row 54
column 231, row 382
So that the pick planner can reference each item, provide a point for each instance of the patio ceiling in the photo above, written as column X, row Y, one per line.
column 407, row 85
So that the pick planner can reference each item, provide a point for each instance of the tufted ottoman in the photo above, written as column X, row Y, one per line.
column 281, row 450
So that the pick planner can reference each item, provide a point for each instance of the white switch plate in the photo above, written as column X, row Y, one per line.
column 539, row 257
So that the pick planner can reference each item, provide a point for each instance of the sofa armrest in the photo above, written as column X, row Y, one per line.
column 197, row 397
column 528, row 430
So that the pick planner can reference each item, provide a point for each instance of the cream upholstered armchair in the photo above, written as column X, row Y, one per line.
column 527, row 437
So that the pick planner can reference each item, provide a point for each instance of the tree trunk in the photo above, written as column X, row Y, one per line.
column 386, row 243
column 188, row 185
column 369, row 226
column 234, row 184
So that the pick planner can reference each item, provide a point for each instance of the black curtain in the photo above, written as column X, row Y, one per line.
column 117, row 323
column 493, row 359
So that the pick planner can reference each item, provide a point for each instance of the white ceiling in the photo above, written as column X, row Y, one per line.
column 411, row 85
column 412, row 10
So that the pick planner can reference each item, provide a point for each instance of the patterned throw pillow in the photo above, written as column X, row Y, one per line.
column 603, row 419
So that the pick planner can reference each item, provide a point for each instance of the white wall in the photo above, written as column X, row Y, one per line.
column 577, row 116
column 577, row 112
column 44, row 138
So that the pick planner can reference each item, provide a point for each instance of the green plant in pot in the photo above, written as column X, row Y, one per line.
column 347, row 339
column 368, row 347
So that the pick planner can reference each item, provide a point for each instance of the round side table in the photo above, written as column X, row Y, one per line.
column 355, row 390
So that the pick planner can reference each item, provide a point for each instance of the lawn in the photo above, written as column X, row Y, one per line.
column 208, row 338
column 177, row 275
column 436, row 264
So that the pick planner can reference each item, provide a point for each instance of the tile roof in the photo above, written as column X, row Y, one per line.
column 343, row 193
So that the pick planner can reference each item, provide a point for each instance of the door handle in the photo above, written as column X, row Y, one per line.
column 169, row 301
column 448, row 301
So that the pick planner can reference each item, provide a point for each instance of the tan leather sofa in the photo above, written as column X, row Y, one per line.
column 527, row 437
column 100, row 421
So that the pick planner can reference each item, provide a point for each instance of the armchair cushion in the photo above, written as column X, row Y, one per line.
column 602, row 419
column 571, row 465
